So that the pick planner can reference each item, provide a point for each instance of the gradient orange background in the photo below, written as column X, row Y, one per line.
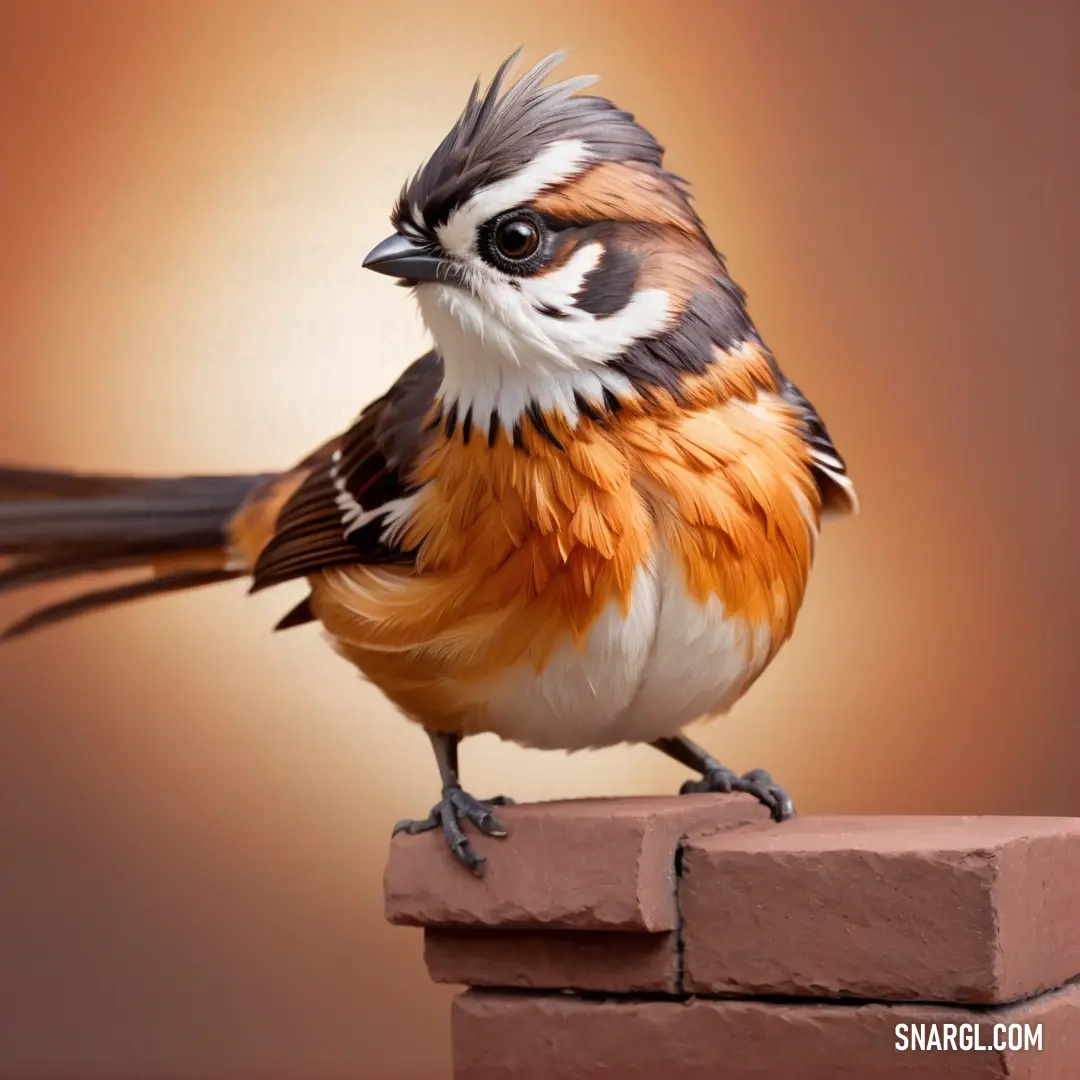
column 194, row 812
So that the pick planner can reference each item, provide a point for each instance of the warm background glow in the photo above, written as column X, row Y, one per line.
column 194, row 812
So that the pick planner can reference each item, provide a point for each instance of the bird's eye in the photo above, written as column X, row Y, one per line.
column 517, row 238
column 513, row 242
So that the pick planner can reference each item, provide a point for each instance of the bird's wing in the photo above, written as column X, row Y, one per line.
column 830, row 471
column 339, row 509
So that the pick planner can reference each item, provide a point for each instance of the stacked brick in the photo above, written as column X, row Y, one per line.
column 691, row 938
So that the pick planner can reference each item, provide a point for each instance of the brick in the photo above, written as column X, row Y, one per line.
column 538, row 1037
column 592, row 864
column 976, row 909
column 554, row 960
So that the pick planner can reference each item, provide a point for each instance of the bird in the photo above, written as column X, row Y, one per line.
column 586, row 517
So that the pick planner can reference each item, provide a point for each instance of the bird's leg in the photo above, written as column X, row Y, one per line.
column 716, row 777
column 456, row 806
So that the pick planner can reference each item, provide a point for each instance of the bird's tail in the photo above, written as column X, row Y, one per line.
column 169, row 534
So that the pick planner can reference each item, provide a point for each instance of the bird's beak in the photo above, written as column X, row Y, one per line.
column 411, row 260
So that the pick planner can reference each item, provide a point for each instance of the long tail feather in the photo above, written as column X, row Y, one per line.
column 19, row 483
column 40, row 571
column 119, row 594
column 55, row 526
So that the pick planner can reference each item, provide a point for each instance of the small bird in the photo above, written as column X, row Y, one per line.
column 585, row 518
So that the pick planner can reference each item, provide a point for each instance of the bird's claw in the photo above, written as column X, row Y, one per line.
column 757, row 783
column 456, row 806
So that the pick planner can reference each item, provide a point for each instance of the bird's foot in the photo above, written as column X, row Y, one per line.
column 455, row 807
column 757, row 783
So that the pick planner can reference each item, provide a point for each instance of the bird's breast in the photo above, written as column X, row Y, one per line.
column 639, row 674
column 611, row 584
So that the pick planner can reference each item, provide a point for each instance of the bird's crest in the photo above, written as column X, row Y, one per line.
column 499, row 132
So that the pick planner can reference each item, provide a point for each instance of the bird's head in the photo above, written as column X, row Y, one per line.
column 553, row 258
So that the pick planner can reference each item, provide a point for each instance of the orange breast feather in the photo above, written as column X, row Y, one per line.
column 521, row 551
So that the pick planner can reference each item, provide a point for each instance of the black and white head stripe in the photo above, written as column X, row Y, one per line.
column 500, row 134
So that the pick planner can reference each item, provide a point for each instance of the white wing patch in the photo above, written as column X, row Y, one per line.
column 835, row 471
column 395, row 512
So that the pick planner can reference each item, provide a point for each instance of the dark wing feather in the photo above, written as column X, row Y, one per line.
column 369, row 466
column 829, row 468
column 298, row 616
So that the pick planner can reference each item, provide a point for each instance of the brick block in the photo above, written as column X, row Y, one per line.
column 977, row 909
column 540, row 1037
column 593, row 864
column 554, row 960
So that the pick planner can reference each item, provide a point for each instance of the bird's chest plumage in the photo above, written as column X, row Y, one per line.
column 638, row 674
column 611, row 588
